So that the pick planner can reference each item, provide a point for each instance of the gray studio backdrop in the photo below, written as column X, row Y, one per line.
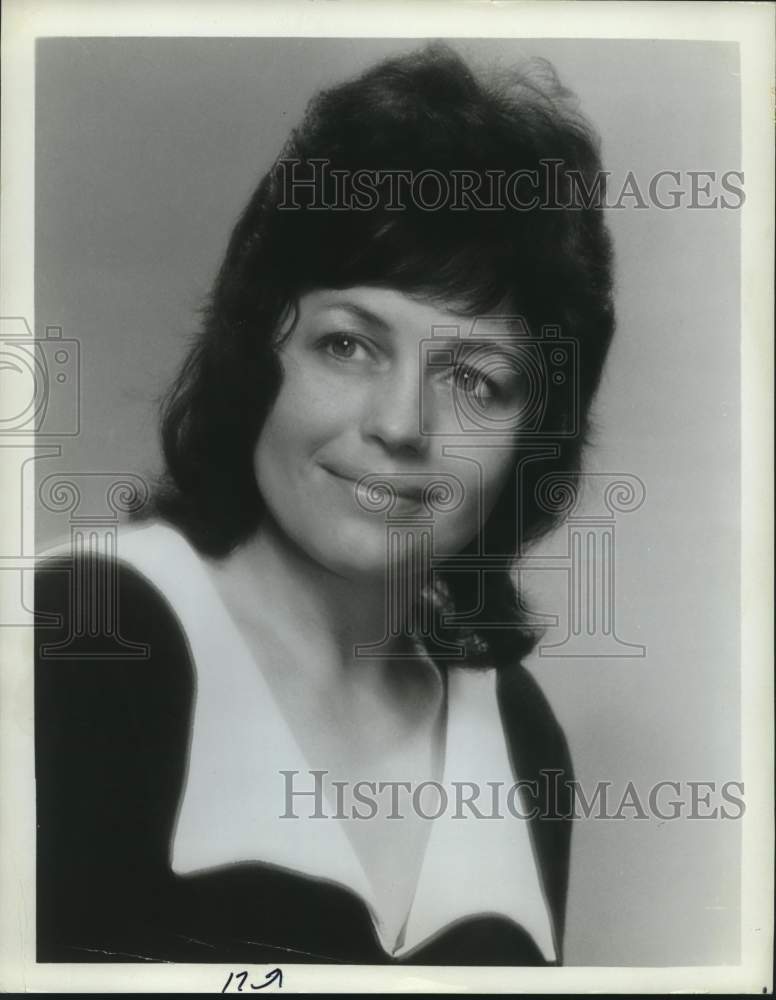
column 147, row 150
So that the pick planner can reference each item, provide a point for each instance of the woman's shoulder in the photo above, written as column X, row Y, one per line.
column 114, row 692
column 525, row 705
column 529, row 718
column 113, row 701
column 103, row 622
column 150, row 561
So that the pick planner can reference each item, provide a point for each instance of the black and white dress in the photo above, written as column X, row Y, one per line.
column 159, row 796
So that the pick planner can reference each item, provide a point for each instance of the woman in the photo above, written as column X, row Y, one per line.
column 404, row 337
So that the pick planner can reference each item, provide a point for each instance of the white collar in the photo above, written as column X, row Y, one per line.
column 240, row 741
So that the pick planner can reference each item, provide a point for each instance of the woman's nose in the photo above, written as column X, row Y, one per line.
column 394, row 416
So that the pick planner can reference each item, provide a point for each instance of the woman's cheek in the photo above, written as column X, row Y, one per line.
column 302, row 414
column 319, row 401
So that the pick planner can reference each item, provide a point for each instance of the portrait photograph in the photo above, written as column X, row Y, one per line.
column 387, row 457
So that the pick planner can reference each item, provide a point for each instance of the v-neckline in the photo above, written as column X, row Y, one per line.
column 223, row 664
column 379, row 906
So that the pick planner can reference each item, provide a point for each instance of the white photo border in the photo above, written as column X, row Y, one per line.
column 751, row 26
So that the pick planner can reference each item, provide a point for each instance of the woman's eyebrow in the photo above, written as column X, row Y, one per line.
column 360, row 312
column 486, row 330
column 467, row 346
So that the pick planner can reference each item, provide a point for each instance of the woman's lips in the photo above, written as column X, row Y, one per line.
column 388, row 480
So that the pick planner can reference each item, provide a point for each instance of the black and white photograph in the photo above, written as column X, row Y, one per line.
column 386, row 449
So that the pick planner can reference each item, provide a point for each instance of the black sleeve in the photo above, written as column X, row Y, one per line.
column 113, row 698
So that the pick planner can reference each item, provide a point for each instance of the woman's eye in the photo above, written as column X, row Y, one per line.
column 342, row 346
column 474, row 383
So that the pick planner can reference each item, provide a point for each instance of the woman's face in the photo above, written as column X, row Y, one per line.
column 377, row 383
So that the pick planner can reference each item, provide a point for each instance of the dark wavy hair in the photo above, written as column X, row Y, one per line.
column 423, row 111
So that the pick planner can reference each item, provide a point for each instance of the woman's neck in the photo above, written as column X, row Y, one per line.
column 315, row 619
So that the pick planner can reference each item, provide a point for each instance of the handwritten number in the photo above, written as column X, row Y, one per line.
column 271, row 977
column 275, row 976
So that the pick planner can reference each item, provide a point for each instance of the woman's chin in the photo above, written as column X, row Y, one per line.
column 367, row 562
column 363, row 554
